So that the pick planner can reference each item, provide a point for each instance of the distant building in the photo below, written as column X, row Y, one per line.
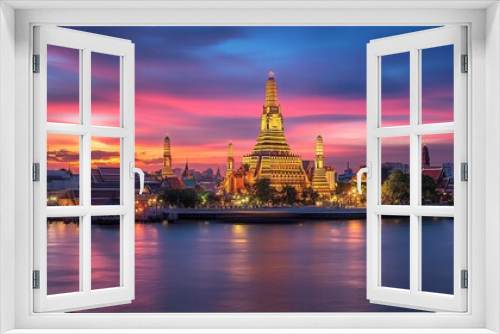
column 188, row 178
column 389, row 167
column 331, row 178
column 347, row 175
column 218, row 176
column 178, row 171
column 62, row 188
column 105, row 185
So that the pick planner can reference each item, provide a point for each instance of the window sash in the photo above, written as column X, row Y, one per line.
column 87, row 43
column 413, row 43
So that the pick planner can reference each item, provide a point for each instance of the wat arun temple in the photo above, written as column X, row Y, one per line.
column 272, row 157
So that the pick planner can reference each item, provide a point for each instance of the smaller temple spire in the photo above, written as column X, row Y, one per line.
column 167, row 158
column 230, row 158
column 319, row 181
column 426, row 157
column 185, row 173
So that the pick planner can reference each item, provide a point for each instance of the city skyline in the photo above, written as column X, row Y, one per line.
column 203, row 86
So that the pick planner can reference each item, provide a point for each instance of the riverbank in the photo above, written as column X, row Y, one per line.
column 264, row 214
column 255, row 215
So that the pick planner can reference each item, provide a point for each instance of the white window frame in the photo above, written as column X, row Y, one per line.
column 86, row 44
column 482, row 19
column 414, row 43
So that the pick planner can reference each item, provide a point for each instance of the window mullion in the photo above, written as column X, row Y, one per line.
column 415, row 243
column 85, row 171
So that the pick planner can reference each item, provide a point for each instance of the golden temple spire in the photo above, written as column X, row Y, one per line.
column 230, row 158
column 271, row 91
column 319, row 180
column 167, row 158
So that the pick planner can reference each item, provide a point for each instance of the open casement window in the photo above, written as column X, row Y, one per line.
column 82, row 138
column 427, row 125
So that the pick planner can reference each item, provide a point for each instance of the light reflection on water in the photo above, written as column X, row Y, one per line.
column 316, row 266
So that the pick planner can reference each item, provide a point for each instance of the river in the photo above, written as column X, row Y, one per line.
column 208, row 266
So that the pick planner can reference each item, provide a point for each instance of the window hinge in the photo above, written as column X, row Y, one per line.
column 36, row 279
column 465, row 64
column 464, row 171
column 36, row 172
column 36, row 63
column 465, row 279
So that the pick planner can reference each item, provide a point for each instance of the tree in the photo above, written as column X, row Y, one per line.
column 189, row 198
column 396, row 189
column 171, row 197
column 264, row 192
column 429, row 192
column 186, row 198
column 343, row 188
column 289, row 195
column 309, row 196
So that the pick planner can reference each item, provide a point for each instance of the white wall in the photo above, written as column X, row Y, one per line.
column 492, row 147
column 7, row 185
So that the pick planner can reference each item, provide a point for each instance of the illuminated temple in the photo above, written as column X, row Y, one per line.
column 272, row 157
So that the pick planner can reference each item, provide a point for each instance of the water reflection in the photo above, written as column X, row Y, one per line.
column 218, row 267
column 63, row 256
column 105, row 254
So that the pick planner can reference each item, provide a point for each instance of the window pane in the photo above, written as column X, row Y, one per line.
column 63, row 170
column 437, row 169
column 105, row 90
column 105, row 171
column 396, row 89
column 395, row 171
column 437, row 254
column 395, row 251
column 63, row 255
column 63, row 85
column 437, row 84
column 105, row 252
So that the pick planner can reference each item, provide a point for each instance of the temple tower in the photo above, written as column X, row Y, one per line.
column 167, row 159
column 272, row 134
column 426, row 157
column 319, row 181
column 272, row 157
column 230, row 159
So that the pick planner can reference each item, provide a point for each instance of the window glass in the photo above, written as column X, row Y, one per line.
column 63, row 85
column 395, row 89
column 63, row 255
column 437, row 169
column 437, row 84
column 437, row 254
column 105, row 90
column 63, row 170
column 395, row 171
column 105, row 252
column 395, row 252
column 105, row 174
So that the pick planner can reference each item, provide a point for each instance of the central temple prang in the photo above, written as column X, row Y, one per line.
column 272, row 157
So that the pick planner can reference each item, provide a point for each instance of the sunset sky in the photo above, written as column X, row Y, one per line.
column 205, row 86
